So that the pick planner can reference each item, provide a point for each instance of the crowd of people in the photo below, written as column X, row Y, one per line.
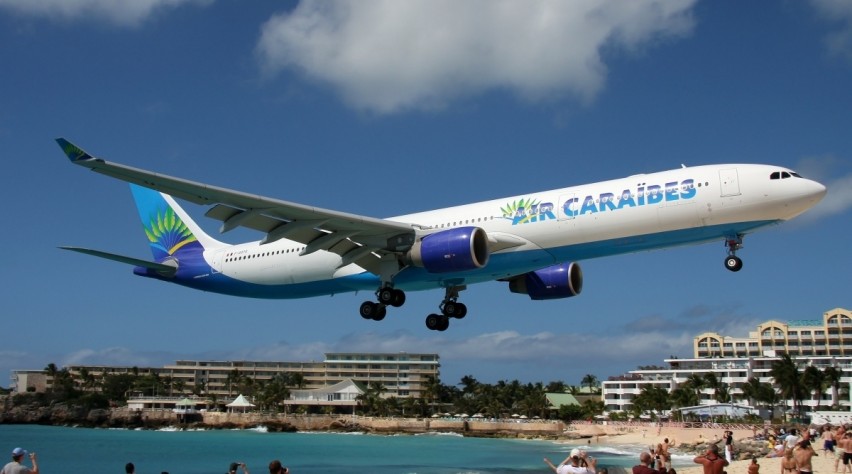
column 657, row 460
column 16, row 466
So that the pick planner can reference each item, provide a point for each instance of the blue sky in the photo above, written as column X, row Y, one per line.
column 386, row 108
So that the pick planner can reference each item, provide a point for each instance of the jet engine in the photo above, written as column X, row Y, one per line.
column 453, row 250
column 558, row 281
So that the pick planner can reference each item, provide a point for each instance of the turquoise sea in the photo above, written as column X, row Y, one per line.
column 101, row 451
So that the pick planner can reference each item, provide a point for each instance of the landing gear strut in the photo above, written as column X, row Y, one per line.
column 450, row 308
column 732, row 262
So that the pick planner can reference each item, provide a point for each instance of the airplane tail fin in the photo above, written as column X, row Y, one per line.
column 171, row 233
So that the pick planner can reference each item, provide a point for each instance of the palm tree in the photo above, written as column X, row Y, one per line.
column 469, row 384
column 589, row 380
column 371, row 400
column 696, row 383
column 651, row 398
column 51, row 370
column 813, row 380
column 232, row 378
column 751, row 390
column 832, row 378
column 684, row 396
column 785, row 375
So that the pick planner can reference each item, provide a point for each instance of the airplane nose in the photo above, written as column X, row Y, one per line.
column 817, row 191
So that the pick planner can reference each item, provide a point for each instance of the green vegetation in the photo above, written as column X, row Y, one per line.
column 501, row 400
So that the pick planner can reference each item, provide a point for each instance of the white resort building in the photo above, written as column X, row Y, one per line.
column 820, row 343
column 402, row 374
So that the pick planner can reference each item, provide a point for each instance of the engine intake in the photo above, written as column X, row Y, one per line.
column 459, row 249
column 558, row 281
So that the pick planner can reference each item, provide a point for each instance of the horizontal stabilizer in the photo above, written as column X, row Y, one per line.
column 165, row 270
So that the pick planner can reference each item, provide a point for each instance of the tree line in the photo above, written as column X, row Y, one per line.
column 500, row 400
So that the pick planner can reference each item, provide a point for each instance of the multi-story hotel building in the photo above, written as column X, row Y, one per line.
column 821, row 343
column 403, row 375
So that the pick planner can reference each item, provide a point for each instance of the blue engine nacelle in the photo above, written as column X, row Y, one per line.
column 454, row 250
column 558, row 281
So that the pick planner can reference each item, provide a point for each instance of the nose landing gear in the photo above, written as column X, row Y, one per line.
column 732, row 262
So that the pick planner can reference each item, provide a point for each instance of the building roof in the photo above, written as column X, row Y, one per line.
column 557, row 400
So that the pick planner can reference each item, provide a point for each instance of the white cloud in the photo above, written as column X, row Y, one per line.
column 125, row 13
column 837, row 11
column 387, row 55
column 119, row 356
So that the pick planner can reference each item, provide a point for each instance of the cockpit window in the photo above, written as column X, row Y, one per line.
column 784, row 175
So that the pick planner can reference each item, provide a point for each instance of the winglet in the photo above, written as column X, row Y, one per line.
column 73, row 152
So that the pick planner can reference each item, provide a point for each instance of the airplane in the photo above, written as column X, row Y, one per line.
column 531, row 241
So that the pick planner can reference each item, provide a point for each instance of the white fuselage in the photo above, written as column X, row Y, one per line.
column 532, row 231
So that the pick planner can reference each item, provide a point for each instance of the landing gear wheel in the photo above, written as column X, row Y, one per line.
column 391, row 296
column 445, row 323
column 386, row 295
column 398, row 298
column 454, row 309
column 733, row 263
column 381, row 312
column 368, row 309
column 437, row 322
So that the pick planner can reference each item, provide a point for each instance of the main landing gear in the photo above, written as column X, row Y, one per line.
column 732, row 262
column 389, row 296
column 450, row 308
column 386, row 296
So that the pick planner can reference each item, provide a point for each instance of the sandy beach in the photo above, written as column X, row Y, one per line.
column 653, row 435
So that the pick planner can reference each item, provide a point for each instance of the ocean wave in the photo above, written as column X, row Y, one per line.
column 440, row 433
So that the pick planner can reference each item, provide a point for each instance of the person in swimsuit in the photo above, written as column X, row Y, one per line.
column 788, row 464
column 803, row 454
column 713, row 464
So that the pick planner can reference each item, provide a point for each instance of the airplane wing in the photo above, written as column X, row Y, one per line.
column 356, row 238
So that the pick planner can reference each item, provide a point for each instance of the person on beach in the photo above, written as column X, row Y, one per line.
column 827, row 440
column 645, row 459
column 792, row 439
column 754, row 467
column 713, row 464
column 576, row 463
column 665, row 454
column 15, row 467
column 129, row 468
column 275, row 467
column 234, row 465
column 729, row 446
column 845, row 448
column 803, row 454
column 788, row 464
column 842, row 443
column 777, row 451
